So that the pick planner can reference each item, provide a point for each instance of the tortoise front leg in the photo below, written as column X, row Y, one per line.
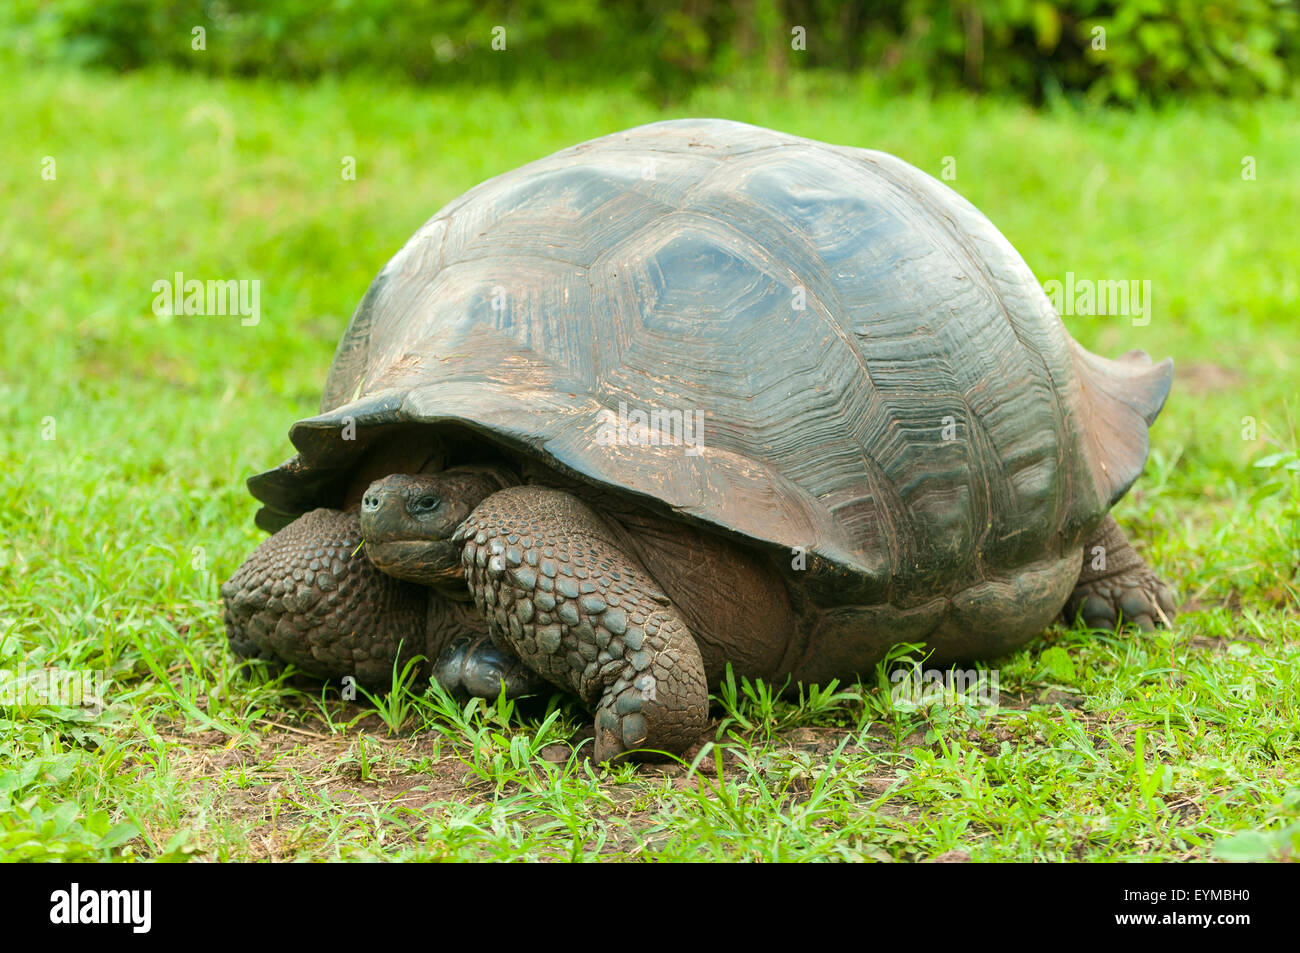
column 307, row 597
column 553, row 585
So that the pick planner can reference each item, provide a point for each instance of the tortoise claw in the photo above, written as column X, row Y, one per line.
column 1137, row 597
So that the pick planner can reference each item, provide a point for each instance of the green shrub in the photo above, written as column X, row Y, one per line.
column 1104, row 49
column 1114, row 50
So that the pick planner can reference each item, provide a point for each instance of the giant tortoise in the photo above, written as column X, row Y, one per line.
column 693, row 394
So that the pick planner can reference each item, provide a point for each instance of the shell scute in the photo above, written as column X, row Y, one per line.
column 880, row 379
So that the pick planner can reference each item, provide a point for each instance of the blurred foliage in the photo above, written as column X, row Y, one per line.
column 1104, row 50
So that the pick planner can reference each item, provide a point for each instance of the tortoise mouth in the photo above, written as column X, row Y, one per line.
column 432, row 562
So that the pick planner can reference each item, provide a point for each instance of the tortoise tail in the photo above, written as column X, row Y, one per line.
column 1121, row 399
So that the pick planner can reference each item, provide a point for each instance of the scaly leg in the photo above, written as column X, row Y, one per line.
column 307, row 597
column 555, row 586
column 1115, row 583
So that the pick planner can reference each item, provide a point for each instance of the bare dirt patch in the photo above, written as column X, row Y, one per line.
column 261, row 783
column 1206, row 378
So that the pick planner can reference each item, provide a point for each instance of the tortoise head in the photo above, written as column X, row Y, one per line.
column 407, row 521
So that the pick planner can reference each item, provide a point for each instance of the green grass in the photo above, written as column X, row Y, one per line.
column 120, row 529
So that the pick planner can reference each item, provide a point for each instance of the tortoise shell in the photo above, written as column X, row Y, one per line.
column 883, row 384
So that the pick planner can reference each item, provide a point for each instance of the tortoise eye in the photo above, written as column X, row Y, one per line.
column 425, row 504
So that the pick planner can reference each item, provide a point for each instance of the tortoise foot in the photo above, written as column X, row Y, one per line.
column 1116, row 585
column 476, row 667
column 1136, row 596
column 657, row 705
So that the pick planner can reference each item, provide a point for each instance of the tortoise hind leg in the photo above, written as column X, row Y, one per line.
column 586, row 615
column 1116, row 583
